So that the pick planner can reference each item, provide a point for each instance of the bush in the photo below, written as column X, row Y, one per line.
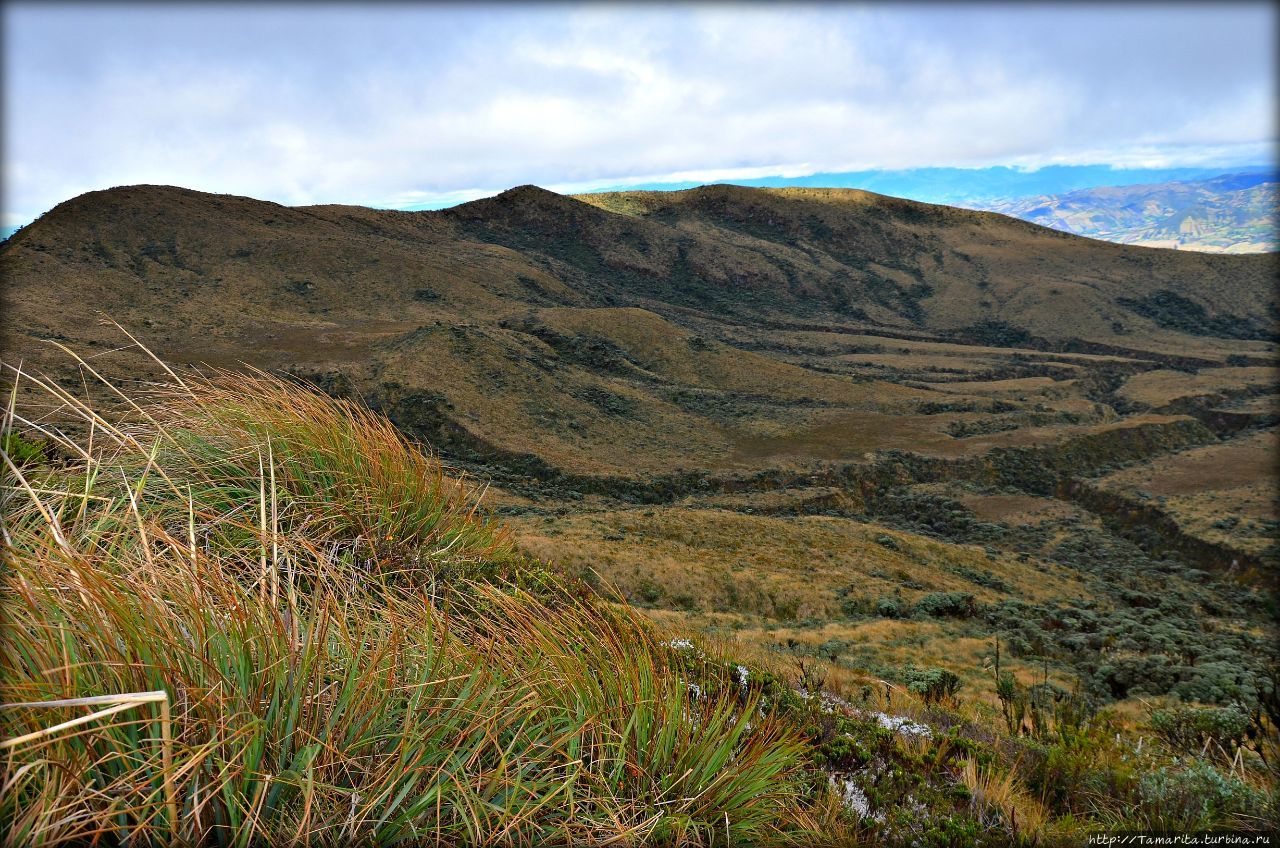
column 857, row 606
column 22, row 451
column 888, row 608
column 932, row 685
column 983, row 578
column 1198, row 797
column 648, row 592
column 1189, row 729
column 947, row 605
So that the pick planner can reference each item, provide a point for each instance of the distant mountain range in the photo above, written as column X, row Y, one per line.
column 961, row 186
column 1234, row 213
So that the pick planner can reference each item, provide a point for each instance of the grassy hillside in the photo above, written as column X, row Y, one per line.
column 851, row 462
column 588, row 334
column 349, row 649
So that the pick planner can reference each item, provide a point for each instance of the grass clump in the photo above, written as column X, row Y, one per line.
column 352, row 651
column 999, row 801
column 254, row 463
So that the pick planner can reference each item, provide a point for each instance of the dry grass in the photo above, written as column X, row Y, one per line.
column 1019, row 509
column 301, row 583
column 1157, row 388
column 1200, row 487
column 773, row 583
column 782, row 568
column 1242, row 461
column 999, row 801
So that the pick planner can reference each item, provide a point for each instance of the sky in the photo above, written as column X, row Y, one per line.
column 423, row 105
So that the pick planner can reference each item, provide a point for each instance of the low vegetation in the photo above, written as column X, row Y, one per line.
column 351, row 649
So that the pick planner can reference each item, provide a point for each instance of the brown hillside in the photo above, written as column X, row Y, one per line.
column 716, row 328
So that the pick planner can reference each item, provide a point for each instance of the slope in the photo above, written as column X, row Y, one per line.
column 589, row 335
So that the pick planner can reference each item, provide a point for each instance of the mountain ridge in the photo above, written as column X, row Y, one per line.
column 840, row 253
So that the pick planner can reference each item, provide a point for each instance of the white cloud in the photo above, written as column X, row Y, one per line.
column 403, row 105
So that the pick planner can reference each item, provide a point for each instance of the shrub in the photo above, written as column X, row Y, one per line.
column 947, row 605
column 648, row 591
column 22, row 451
column 1190, row 729
column 857, row 606
column 983, row 578
column 1198, row 797
column 888, row 608
column 932, row 685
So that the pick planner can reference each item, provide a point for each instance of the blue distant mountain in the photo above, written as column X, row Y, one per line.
column 956, row 186
column 1235, row 213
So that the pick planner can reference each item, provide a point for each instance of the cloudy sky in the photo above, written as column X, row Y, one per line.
column 420, row 105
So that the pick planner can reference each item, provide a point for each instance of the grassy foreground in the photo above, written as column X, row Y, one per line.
column 343, row 648
column 352, row 652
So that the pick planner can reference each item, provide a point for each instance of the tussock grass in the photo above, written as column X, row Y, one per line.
column 253, row 462
column 351, row 650
column 999, row 800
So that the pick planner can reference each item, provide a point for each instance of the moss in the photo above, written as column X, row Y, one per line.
column 23, row 451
